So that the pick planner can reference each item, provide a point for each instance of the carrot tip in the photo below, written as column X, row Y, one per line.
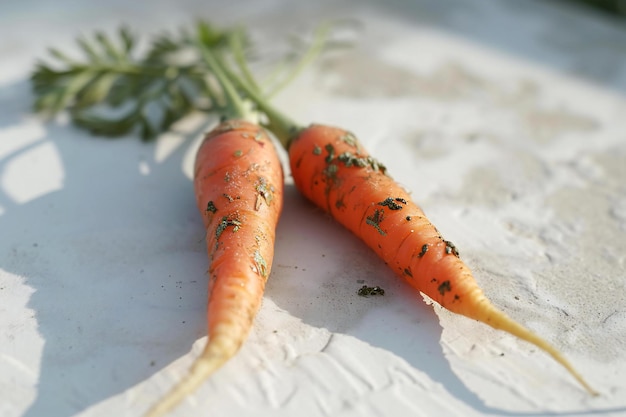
column 200, row 370
column 499, row 320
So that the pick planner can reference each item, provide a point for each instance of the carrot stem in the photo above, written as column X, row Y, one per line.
column 319, row 40
column 236, row 46
column 235, row 106
column 280, row 124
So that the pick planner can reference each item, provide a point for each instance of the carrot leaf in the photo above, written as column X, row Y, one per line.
column 112, row 90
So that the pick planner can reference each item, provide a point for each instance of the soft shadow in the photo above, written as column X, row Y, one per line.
column 15, row 102
column 117, row 263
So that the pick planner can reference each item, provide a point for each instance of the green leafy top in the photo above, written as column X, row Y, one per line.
column 112, row 90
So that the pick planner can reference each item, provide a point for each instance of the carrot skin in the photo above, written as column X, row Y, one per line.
column 333, row 170
column 238, row 183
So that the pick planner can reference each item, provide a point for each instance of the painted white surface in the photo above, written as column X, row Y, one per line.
column 504, row 119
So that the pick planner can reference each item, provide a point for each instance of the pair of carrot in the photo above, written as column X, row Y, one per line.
column 238, row 183
column 333, row 170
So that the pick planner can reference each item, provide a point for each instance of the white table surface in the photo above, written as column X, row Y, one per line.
column 506, row 121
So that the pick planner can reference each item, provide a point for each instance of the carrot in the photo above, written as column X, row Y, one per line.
column 333, row 170
column 238, row 184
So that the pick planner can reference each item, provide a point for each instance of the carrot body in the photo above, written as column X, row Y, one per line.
column 332, row 169
column 238, row 183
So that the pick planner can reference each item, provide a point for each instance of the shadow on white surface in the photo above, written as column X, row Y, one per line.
column 115, row 260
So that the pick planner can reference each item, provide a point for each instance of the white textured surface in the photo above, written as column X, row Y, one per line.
column 504, row 119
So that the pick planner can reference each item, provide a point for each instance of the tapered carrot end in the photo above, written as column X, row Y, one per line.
column 202, row 368
column 499, row 320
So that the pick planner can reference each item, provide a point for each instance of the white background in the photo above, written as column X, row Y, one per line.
column 506, row 121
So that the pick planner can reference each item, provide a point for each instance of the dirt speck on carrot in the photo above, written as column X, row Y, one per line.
column 375, row 219
column 392, row 204
column 444, row 287
column 210, row 207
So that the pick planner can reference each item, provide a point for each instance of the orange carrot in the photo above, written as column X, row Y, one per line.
column 238, row 183
column 333, row 170
column 238, row 176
